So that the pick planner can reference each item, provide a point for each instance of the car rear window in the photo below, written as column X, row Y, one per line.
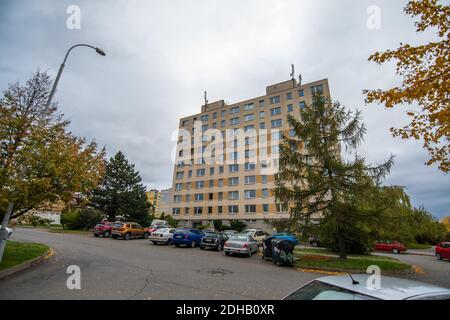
column 211, row 234
column 118, row 225
column 239, row 238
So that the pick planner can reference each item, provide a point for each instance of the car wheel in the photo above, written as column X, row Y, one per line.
column 145, row 235
column 439, row 256
column 169, row 242
column 127, row 236
column 154, row 242
column 193, row 244
column 95, row 235
column 227, row 253
column 395, row 251
column 106, row 234
column 177, row 245
column 202, row 248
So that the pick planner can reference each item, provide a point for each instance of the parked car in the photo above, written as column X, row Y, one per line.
column 187, row 236
column 155, row 227
column 241, row 244
column 256, row 234
column 128, row 230
column 344, row 288
column 8, row 234
column 286, row 236
column 103, row 229
column 162, row 235
column 443, row 250
column 391, row 246
column 314, row 241
column 229, row 233
column 213, row 239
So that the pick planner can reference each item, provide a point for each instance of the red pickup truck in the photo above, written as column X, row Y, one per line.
column 104, row 229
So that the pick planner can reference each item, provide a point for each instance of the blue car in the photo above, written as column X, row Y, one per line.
column 187, row 236
column 286, row 236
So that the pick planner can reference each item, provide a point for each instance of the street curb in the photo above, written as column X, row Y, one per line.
column 27, row 265
column 332, row 271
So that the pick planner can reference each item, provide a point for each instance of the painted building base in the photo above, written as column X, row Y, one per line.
column 262, row 224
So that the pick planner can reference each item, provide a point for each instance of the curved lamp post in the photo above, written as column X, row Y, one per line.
column 55, row 84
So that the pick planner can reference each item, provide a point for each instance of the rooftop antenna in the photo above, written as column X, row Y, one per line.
column 299, row 79
column 354, row 282
column 206, row 98
column 292, row 71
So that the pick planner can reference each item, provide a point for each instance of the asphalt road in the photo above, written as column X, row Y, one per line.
column 136, row 269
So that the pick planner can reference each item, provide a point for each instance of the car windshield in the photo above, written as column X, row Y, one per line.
column 211, row 234
column 445, row 245
column 239, row 238
column 317, row 290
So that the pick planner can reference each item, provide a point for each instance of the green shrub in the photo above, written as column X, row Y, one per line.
column 237, row 225
column 78, row 219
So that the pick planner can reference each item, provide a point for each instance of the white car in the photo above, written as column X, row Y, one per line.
column 256, row 234
column 9, row 232
column 163, row 235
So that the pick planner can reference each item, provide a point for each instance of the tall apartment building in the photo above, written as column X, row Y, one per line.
column 233, row 181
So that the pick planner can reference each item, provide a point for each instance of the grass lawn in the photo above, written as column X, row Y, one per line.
column 19, row 252
column 318, row 258
column 61, row 230
column 417, row 246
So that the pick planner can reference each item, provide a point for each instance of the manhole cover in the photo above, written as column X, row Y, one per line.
column 216, row 272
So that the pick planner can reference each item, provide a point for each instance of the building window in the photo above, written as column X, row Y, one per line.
column 276, row 123
column 234, row 110
column 316, row 89
column 262, row 103
column 234, row 181
column 220, row 183
column 220, row 196
column 250, row 194
column 291, row 133
column 198, row 210
column 186, row 210
column 233, row 168
column 262, row 125
column 263, row 179
column 290, row 108
column 180, row 175
column 249, row 117
column 276, row 136
column 222, row 113
column 222, row 123
column 205, row 118
column 249, row 106
column 233, row 195
column 265, row 193
column 188, row 198
column 199, row 197
column 261, row 114
column 275, row 111
column 176, row 211
column 211, row 183
column 199, row 184
column 301, row 93
column 234, row 121
column 289, row 95
column 302, row 105
column 234, row 155
column 211, row 171
column 275, row 149
column 184, row 123
column 214, row 125
column 215, row 115
column 210, row 210
column 219, row 209
column 178, row 186
column 250, row 179
column 220, row 169
column 210, row 196
column 249, row 166
column 249, row 128
column 200, row 172
column 265, row 208
column 249, row 153
column 250, row 208
column 177, row 198
column 281, row 207
column 233, row 209
column 189, row 173
column 275, row 99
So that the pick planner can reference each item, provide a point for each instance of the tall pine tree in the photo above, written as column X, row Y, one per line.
column 121, row 195
column 316, row 182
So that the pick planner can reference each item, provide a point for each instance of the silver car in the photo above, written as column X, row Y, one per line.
column 163, row 235
column 356, row 287
column 241, row 244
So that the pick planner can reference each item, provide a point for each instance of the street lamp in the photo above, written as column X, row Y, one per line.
column 55, row 84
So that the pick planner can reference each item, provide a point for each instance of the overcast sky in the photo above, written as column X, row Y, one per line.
column 162, row 55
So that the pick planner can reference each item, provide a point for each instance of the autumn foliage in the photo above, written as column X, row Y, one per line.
column 425, row 70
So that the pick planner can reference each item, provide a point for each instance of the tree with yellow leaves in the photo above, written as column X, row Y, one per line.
column 426, row 81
